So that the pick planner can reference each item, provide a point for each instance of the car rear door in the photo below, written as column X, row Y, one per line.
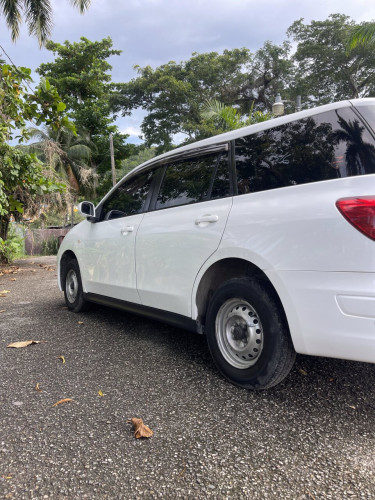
column 183, row 228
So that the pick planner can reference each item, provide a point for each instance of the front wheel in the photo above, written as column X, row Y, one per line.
column 248, row 335
column 73, row 291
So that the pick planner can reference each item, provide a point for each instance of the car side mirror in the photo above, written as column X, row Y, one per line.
column 87, row 209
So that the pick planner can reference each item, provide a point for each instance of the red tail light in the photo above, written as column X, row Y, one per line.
column 360, row 212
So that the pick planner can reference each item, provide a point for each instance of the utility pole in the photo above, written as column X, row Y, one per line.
column 112, row 159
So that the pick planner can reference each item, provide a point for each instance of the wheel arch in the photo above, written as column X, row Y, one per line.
column 64, row 259
column 223, row 270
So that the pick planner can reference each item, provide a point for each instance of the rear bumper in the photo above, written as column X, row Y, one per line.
column 330, row 313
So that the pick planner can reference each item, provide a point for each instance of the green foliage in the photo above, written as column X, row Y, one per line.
column 68, row 154
column 11, row 248
column 223, row 118
column 38, row 16
column 50, row 246
column 326, row 72
column 364, row 35
column 81, row 75
column 321, row 70
column 22, row 175
column 174, row 93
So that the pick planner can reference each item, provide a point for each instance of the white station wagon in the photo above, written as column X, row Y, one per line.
column 262, row 238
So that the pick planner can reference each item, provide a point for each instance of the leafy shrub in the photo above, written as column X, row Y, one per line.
column 11, row 248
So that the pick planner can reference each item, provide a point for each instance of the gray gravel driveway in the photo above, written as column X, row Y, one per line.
column 312, row 437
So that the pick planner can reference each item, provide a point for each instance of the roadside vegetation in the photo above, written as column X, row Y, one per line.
column 54, row 134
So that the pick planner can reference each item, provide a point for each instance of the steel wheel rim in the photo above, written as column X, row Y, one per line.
column 71, row 286
column 239, row 333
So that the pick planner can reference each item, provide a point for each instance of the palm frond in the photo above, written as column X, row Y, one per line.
column 12, row 12
column 79, row 152
column 39, row 19
column 212, row 108
column 36, row 133
column 361, row 35
column 81, row 4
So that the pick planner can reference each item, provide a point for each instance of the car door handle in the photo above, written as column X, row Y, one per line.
column 127, row 229
column 206, row 219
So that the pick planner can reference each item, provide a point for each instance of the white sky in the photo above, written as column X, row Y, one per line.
column 156, row 31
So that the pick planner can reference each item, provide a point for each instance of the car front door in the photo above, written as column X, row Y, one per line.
column 109, row 245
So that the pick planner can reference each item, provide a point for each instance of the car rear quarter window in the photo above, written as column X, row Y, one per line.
column 329, row 145
column 194, row 180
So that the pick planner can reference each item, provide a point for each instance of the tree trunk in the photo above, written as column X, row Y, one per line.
column 4, row 226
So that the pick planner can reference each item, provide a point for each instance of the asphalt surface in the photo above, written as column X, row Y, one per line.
column 311, row 437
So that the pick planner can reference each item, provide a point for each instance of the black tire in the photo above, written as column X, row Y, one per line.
column 72, row 284
column 248, row 334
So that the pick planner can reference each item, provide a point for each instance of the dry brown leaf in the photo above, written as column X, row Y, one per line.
column 140, row 429
column 25, row 343
column 62, row 359
column 2, row 310
column 3, row 293
column 66, row 400
column 80, row 322
column 37, row 388
column 13, row 279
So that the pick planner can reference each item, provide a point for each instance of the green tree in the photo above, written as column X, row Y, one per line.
column 173, row 93
column 23, row 178
column 81, row 74
column 68, row 154
column 272, row 72
column 38, row 16
column 325, row 71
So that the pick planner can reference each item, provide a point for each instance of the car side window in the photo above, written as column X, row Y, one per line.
column 129, row 198
column 194, row 180
column 316, row 148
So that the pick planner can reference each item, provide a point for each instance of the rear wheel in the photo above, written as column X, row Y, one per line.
column 248, row 335
column 73, row 291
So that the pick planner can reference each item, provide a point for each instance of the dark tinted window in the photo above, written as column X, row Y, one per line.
column 129, row 198
column 193, row 180
column 368, row 112
column 325, row 146
column 221, row 183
